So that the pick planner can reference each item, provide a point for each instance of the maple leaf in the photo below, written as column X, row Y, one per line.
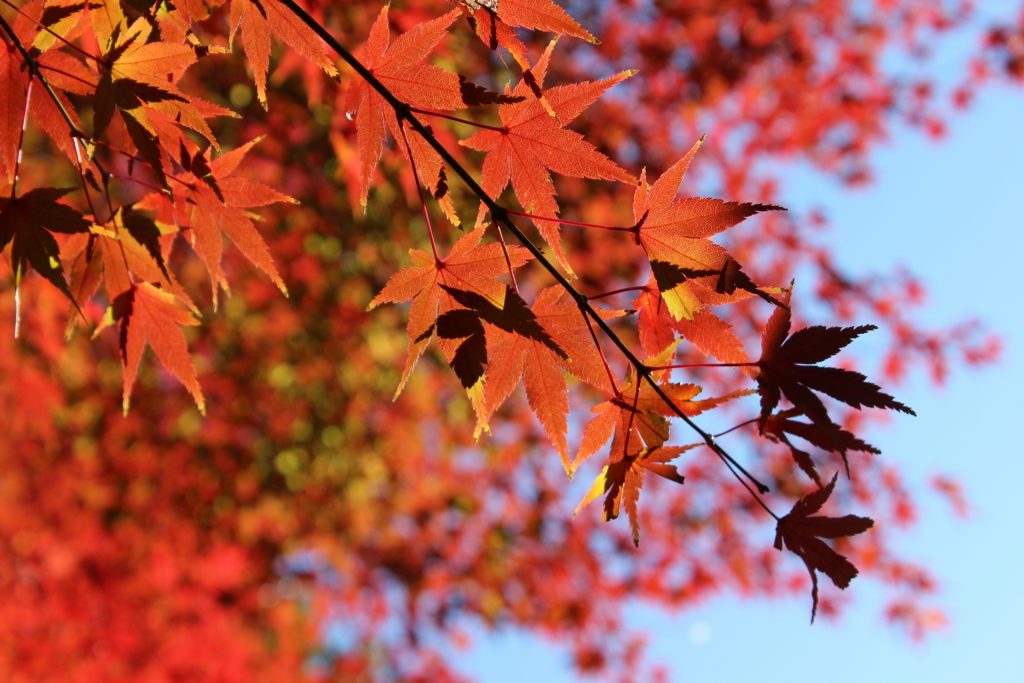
column 518, row 338
column 787, row 366
column 635, row 415
column 146, row 315
column 212, row 202
column 468, row 267
column 14, row 81
column 513, row 316
column 137, row 79
column 704, row 329
column 540, row 364
column 801, row 531
column 690, row 269
column 828, row 438
column 257, row 21
column 129, row 247
column 399, row 66
column 531, row 144
column 541, row 15
column 26, row 223
column 622, row 480
column 492, row 20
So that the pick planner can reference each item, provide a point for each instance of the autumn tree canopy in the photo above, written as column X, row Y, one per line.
column 432, row 291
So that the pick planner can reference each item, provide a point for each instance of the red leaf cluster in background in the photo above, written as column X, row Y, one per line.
column 211, row 180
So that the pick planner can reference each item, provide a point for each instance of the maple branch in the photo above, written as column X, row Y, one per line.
column 501, row 215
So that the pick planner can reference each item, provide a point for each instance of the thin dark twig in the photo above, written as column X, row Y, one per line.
column 739, row 426
column 604, row 295
column 457, row 119
column 563, row 221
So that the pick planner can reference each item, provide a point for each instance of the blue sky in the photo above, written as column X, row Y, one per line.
column 951, row 212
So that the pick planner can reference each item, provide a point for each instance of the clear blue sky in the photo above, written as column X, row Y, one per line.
column 952, row 213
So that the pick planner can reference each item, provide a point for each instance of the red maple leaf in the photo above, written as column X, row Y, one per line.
column 146, row 315
column 540, row 365
column 780, row 426
column 468, row 267
column 532, row 143
column 704, row 329
column 399, row 66
column 40, row 29
column 622, row 480
column 257, row 21
column 634, row 417
column 787, row 366
column 137, row 79
column 212, row 202
column 801, row 531
column 691, row 271
column 26, row 223
column 492, row 21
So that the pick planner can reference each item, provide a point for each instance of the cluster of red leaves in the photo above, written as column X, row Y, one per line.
column 132, row 95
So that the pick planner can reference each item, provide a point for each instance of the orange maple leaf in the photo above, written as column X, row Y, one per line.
column 691, row 271
column 622, row 480
column 148, row 315
column 399, row 66
column 468, row 267
column 257, row 21
column 212, row 202
column 492, row 21
column 532, row 143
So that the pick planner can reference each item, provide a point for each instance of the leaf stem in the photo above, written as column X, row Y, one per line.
column 419, row 190
column 457, row 119
column 21, row 142
column 600, row 351
column 629, row 425
column 682, row 366
column 739, row 426
column 508, row 261
column 563, row 221
column 604, row 295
